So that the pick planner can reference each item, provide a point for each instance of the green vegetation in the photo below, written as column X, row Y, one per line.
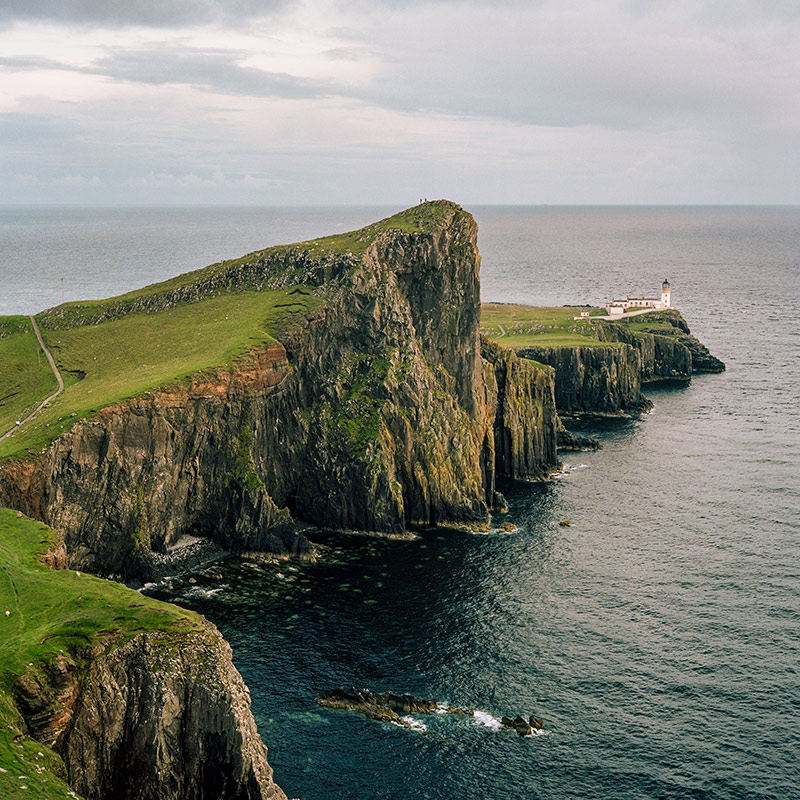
column 45, row 615
column 109, row 362
column 664, row 323
column 25, row 376
column 419, row 219
column 517, row 326
column 107, row 352
column 283, row 258
column 354, row 421
column 243, row 471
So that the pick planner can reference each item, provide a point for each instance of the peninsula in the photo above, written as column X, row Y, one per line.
column 339, row 383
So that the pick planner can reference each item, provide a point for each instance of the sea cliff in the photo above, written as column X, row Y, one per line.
column 355, row 393
column 368, row 402
column 376, row 411
column 106, row 693
column 608, row 380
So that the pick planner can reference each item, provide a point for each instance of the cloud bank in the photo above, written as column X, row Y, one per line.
column 597, row 101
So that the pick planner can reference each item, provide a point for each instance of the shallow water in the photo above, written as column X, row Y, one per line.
column 657, row 635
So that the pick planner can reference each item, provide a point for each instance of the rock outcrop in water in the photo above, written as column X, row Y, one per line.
column 378, row 412
column 387, row 707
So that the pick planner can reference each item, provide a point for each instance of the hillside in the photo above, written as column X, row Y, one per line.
column 113, row 349
column 59, row 630
column 338, row 382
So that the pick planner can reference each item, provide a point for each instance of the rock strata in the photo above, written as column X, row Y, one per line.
column 164, row 716
column 378, row 412
column 594, row 380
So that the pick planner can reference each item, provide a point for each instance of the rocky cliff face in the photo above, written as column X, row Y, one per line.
column 165, row 716
column 609, row 380
column 377, row 413
column 526, row 424
column 141, row 474
column 594, row 380
column 662, row 357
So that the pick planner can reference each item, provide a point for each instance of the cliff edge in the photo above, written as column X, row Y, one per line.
column 600, row 365
column 353, row 394
column 110, row 694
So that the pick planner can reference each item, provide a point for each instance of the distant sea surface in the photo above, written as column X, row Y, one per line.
column 658, row 636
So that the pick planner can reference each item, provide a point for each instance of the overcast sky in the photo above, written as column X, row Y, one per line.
column 387, row 101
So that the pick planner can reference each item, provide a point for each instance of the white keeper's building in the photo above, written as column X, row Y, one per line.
column 617, row 307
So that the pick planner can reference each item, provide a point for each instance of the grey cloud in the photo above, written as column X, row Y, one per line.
column 722, row 12
column 212, row 70
column 148, row 13
column 24, row 63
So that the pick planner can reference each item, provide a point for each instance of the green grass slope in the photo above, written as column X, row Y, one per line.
column 418, row 219
column 118, row 358
column 25, row 376
column 111, row 361
column 517, row 326
column 44, row 613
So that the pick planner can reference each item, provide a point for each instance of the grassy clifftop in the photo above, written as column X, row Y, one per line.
column 121, row 358
column 46, row 615
column 112, row 349
column 25, row 376
column 311, row 262
column 516, row 326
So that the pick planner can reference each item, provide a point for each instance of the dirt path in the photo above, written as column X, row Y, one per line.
column 52, row 396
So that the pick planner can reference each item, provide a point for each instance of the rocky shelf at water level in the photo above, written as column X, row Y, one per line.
column 387, row 707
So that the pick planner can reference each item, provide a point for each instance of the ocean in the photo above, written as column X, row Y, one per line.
column 657, row 636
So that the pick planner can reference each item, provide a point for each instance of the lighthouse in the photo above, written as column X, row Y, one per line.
column 665, row 294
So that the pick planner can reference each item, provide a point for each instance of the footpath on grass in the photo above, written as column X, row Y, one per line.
column 52, row 396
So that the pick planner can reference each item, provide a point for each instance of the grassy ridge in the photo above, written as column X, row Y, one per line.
column 419, row 219
column 517, row 326
column 119, row 358
column 50, row 613
column 105, row 363
column 25, row 376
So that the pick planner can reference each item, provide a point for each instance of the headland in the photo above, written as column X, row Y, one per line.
column 342, row 383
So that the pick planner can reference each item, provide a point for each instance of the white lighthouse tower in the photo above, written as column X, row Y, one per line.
column 665, row 301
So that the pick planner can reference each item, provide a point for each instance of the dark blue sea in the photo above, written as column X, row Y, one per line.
column 658, row 636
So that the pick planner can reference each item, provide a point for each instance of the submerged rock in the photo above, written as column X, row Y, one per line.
column 518, row 724
column 376, row 705
column 567, row 440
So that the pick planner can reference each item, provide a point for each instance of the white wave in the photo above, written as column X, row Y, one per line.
column 196, row 591
column 415, row 724
column 441, row 708
column 534, row 733
column 485, row 718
